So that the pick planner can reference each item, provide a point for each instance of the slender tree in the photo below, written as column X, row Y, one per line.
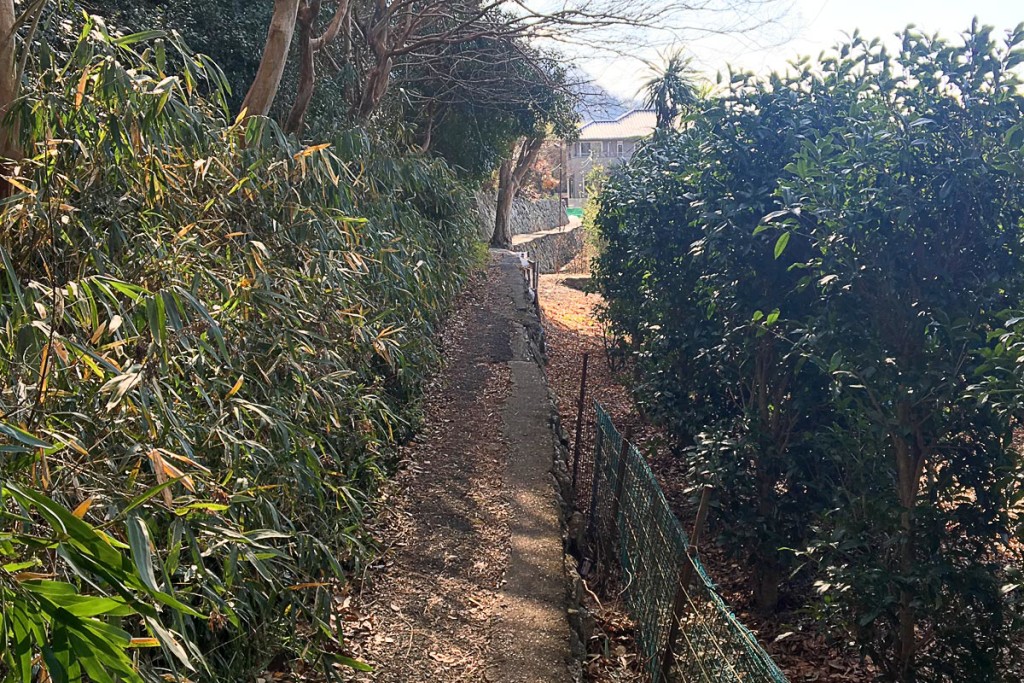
column 549, row 112
column 510, row 181
column 12, row 68
column 309, row 46
column 264, row 86
column 9, row 80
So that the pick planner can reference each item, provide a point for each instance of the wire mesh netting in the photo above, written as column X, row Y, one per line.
column 633, row 529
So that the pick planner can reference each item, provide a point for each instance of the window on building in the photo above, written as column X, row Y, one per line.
column 584, row 149
column 620, row 149
column 608, row 148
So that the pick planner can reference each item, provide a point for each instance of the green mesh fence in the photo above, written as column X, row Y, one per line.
column 633, row 528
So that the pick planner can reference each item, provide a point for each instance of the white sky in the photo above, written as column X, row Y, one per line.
column 810, row 27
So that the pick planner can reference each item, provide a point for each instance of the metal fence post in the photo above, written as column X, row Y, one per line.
column 579, row 425
column 685, row 578
column 535, row 282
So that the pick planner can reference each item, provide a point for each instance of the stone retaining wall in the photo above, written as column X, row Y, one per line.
column 528, row 215
column 552, row 250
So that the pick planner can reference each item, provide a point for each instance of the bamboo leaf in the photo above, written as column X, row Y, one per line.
column 141, row 36
column 311, row 150
column 235, row 388
column 83, row 82
column 23, row 437
column 83, row 507
column 142, row 552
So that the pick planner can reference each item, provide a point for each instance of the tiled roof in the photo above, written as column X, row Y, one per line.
column 638, row 123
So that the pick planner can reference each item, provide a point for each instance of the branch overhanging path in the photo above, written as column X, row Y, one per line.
column 393, row 30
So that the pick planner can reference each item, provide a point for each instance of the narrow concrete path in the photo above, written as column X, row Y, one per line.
column 471, row 587
column 533, row 637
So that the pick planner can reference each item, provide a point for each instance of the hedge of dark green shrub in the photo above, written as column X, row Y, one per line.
column 813, row 279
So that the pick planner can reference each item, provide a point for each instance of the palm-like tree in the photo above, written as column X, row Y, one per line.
column 671, row 89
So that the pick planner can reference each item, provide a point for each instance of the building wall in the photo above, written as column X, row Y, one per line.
column 583, row 157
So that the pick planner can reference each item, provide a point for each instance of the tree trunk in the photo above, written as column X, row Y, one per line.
column 309, row 47
column 502, row 237
column 907, row 644
column 767, row 570
column 374, row 89
column 510, row 180
column 275, row 55
column 9, row 80
column 307, row 67
column 378, row 34
column 910, row 462
column 767, row 577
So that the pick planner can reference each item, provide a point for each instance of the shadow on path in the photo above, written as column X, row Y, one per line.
column 472, row 587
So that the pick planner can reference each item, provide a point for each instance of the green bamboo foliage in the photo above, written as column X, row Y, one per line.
column 211, row 339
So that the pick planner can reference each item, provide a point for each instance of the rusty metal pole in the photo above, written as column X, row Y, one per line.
column 579, row 424
column 536, row 284
column 685, row 578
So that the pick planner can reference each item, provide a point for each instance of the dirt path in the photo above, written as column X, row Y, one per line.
column 472, row 586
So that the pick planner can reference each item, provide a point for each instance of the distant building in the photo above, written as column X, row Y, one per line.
column 603, row 143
